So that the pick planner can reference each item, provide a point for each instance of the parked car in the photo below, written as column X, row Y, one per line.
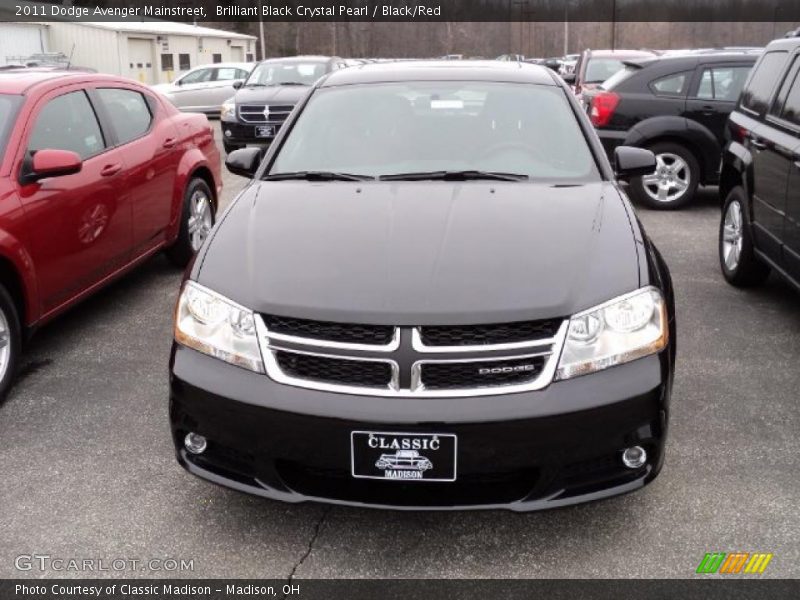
column 676, row 106
column 593, row 67
column 468, row 273
column 97, row 174
column 568, row 63
column 255, row 113
column 760, row 179
column 204, row 89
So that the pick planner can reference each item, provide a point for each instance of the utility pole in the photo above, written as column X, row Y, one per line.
column 566, row 28
column 261, row 31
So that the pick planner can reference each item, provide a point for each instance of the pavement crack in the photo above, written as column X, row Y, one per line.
column 311, row 542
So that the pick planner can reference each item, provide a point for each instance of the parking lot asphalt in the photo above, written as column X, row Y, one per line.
column 89, row 471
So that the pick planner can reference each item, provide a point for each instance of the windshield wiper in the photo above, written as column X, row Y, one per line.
column 454, row 176
column 291, row 83
column 255, row 85
column 317, row 176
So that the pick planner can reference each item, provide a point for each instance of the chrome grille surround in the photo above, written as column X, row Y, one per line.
column 254, row 113
column 410, row 368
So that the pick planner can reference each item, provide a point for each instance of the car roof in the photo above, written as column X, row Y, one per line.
column 693, row 57
column 786, row 43
column 442, row 70
column 20, row 81
column 302, row 58
column 224, row 65
column 620, row 53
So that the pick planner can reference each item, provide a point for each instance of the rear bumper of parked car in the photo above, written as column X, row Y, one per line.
column 525, row 451
column 241, row 134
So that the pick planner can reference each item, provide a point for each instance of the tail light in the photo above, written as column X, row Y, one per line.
column 603, row 106
column 737, row 133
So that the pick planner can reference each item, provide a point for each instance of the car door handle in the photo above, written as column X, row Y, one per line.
column 169, row 142
column 110, row 170
column 758, row 145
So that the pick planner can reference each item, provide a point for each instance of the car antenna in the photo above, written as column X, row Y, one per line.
column 69, row 62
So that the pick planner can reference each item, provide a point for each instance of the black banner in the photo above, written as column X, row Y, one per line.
column 405, row 589
column 403, row 10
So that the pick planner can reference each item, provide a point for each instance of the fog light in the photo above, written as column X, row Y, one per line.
column 228, row 133
column 634, row 457
column 195, row 443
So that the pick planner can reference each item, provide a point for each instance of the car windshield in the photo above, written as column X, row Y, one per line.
column 477, row 129
column 619, row 77
column 286, row 73
column 8, row 110
column 600, row 69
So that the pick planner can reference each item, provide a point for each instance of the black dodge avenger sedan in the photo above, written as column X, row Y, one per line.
column 432, row 295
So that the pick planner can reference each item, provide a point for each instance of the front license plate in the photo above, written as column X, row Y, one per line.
column 265, row 131
column 403, row 456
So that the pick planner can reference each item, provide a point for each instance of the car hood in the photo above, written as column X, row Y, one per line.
column 279, row 94
column 421, row 253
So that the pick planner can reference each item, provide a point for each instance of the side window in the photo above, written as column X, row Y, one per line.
column 241, row 74
column 722, row 83
column 199, row 76
column 671, row 85
column 791, row 108
column 761, row 83
column 783, row 92
column 128, row 111
column 68, row 123
column 227, row 74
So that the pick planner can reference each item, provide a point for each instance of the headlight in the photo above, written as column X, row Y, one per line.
column 214, row 325
column 619, row 331
column 228, row 110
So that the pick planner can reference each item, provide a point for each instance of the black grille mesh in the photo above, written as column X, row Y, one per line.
column 479, row 335
column 443, row 376
column 335, row 370
column 349, row 333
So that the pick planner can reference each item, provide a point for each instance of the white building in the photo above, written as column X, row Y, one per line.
column 150, row 51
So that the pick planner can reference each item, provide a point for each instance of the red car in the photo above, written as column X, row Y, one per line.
column 97, row 174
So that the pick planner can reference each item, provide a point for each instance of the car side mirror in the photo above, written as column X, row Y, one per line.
column 238, row 83
column 569, row 78
column 630, row 161
column 50, row 163
column 244, row 162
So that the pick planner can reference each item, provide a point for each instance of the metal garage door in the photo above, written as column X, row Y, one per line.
column 237, row 54
column 140, row 60
column 21, row 40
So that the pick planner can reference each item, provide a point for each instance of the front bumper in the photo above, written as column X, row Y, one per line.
column 524, row 451
column 241, row 134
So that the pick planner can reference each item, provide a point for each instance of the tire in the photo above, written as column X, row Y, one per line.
column 231, row 147
column 676, row 177
column 197, row 219
column 10, row 341
column 737, row 259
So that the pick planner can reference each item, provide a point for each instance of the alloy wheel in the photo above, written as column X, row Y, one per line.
column 732, row 236
column 201, row 219
column 670, row 180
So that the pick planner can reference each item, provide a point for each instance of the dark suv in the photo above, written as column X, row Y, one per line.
column 677, row 106
column 264, row 100
column 760, row 180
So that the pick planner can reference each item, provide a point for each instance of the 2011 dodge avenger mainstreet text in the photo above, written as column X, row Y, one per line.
column 433, row 295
